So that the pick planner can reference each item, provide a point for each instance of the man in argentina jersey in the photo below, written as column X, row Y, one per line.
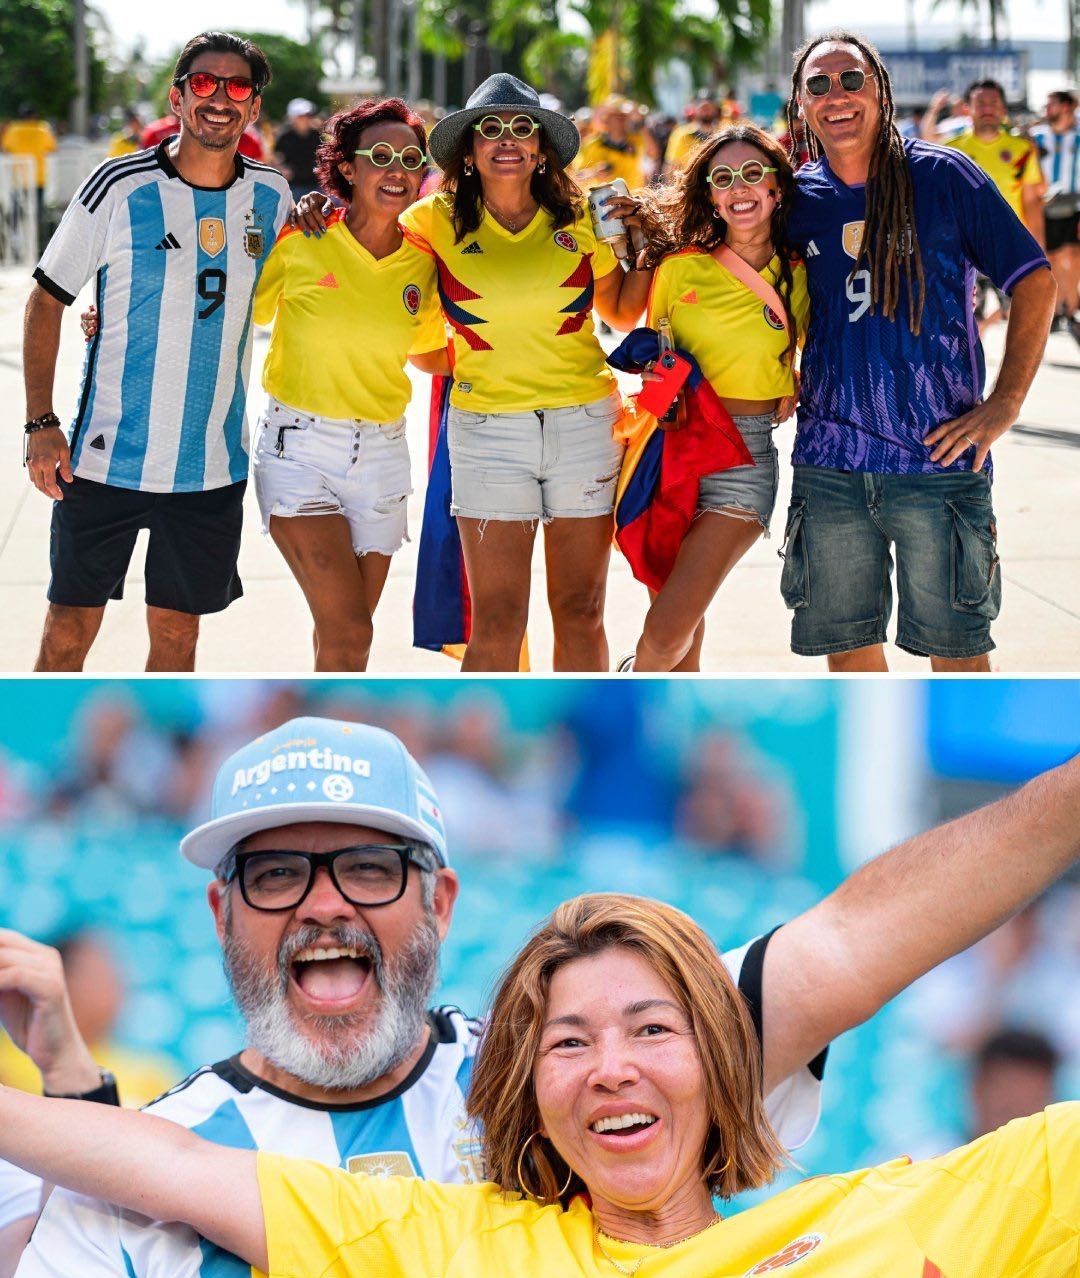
column 1059, row 141
column 175, row 238
column 344, row 1065
column 893, row 435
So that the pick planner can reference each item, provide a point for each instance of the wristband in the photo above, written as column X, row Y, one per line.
column 106, row 1093
column 41, row 423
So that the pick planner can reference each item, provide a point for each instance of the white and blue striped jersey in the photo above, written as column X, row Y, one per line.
column 1060, row 158
column 161, row 407
column 420, row 1129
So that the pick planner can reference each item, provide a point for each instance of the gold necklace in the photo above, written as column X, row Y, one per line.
column 631, row 1270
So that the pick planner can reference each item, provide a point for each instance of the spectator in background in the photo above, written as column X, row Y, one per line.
column 96, row 994
column 934, row 128
column 1013, row 1077
column 128, row 139
column 730, row 805
column 611, row 152
column 685, row 139
column 28, row 135
column 1059, row 140
column 296, row 147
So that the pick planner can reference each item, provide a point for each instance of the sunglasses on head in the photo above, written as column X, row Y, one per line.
column 819, row 85
column 722, row 178
column 382, row 155
column 492, row 128
column 204, row 84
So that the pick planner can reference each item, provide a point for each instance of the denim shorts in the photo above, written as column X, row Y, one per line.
column 842, row 531
column 548, row 463
column 307, row 465
column 748, row 489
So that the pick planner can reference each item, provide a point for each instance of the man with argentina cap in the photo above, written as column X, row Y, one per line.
column 332, row 893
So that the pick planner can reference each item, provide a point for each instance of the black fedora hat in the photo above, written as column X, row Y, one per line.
column 502, row 92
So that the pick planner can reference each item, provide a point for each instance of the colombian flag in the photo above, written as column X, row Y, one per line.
column 658, row 486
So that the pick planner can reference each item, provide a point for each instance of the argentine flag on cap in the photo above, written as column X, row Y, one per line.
column 318, row 770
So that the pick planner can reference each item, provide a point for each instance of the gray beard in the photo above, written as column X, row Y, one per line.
column 336, row 1053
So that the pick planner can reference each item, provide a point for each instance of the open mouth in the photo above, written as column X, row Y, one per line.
column 507, row 157
column 394, row 189
column 218, row 117
column 331, row 974
column 623, row 1125
column 743, row 206
column 840, row 117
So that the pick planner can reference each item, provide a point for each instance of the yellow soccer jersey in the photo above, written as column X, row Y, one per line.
column 520, row 307
column 1011, row 162
column 1007, row 1206
column 344, row 323
column 733, row 335
column 615, row 162
column 683, row 142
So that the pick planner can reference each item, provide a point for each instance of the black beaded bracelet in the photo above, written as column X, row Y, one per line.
column 41, row 423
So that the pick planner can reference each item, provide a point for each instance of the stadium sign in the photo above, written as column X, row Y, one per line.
column 918, row 74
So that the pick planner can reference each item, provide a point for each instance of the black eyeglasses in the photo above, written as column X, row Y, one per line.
column 368, row 874
column 851, row 81
column 204, row 84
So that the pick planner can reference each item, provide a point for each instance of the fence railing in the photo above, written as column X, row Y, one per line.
column 20, row 208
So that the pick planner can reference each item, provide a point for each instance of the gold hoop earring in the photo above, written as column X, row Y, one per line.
column 521, row 1179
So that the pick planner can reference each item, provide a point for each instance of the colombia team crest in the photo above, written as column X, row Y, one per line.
column 211, row 235
column 771, row 318
column 796, row 1250
column 411, row 297
column 565, row 240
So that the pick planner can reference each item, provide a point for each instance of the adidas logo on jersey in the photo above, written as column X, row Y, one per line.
column 169, row 242
column 690, row 298
column 474, row 247
column 812, row 250
column 328, row 281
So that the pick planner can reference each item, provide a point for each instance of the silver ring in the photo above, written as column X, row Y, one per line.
column 972, row 442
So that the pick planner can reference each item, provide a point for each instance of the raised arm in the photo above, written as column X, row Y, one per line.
column 913, row 907
column 141, row 1162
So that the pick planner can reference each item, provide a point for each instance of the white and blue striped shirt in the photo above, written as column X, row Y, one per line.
column 1061, row 157
column 420, row 1129
column 165, row 380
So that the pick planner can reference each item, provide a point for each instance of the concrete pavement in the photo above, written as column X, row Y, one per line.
column 1037, row 498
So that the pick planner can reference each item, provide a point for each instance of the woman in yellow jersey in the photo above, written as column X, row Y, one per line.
column 349, row 308
column 533, row 403
column 723, row 218
column 619, row 1089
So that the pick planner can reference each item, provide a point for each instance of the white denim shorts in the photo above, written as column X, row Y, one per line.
column 549, row 463
column 307, row 465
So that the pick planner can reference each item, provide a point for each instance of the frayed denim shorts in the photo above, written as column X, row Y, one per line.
column 547, row 463
column 746, row 492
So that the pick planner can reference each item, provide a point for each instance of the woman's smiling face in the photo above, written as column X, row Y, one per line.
column 744, row 206
column 619, row 1084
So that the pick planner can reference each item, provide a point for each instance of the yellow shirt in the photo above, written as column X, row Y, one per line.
column 683, row 142
column 625, row 164
column 344, row 323
column 30, row 137
column 734, row 337
column 520, row 307
column 1011, row 162
column 1007, row 1206
column 122, row 144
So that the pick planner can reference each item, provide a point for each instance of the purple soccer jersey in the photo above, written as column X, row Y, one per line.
column 872, row 390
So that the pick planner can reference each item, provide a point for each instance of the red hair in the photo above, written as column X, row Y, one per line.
column 341, row 137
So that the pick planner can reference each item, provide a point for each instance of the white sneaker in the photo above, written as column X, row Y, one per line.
column 625, row 665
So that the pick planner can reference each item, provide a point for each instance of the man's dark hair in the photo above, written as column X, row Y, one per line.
column 1064, row 95
column 224, row 42
column 890, row 243
column 995, row 85
column 1017, row 1047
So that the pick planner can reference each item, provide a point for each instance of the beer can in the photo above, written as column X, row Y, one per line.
column 608, row 227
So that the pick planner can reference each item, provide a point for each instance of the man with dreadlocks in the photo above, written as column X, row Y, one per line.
column 892, row 448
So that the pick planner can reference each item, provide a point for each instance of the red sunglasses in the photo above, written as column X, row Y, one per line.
column 204, row 84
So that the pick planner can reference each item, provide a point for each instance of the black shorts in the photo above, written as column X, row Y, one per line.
column 1061, row 231
column 190, row 559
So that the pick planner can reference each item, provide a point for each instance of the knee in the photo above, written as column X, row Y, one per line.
column 178, row 631
column 68, row 633
column 500, row 618
column 345, row 644
column 667, row 643
column 581, row 608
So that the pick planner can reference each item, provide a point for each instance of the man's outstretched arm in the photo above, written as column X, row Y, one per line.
column 908, row 910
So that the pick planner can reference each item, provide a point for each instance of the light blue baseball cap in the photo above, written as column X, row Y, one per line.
column 318, row 770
